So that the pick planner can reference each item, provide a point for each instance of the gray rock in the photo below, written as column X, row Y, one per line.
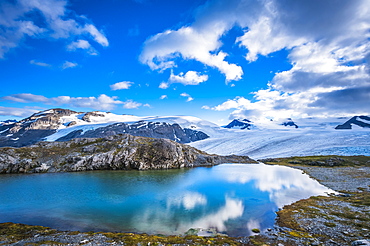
column 117, row 152
column 360, row 242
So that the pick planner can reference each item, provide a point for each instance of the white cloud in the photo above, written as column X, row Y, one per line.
column 25, row 98
column 79, row 44
column 327, row 43
column 163, row 85
column 199, row 44
column 68, row 64
column 19, row 21
column 121, row 85
column 189, row 98
column 18, row 112
column 97, row 35
column 130, row 104
column 163, row 97
column 102, row 102
column 84, row 45
column 189, row 78
column 41, row 64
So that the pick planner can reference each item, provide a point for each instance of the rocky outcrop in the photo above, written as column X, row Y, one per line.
column 118, row 152
column 87, row 116
column 360, row 121
column 290, row 122
column 142, row 129
column 240, row 124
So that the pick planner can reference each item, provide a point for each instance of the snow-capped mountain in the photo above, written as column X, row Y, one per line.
column 266, row 138
column 267, row 124
column 240, row 124
column 289, row 123
column 7, row 122
column 356, row 121
column 63, row 124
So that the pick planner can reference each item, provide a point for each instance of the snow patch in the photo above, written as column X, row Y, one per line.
column 283, row 143
column 4, row 131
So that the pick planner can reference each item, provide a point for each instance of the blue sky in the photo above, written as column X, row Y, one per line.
column 214, row 59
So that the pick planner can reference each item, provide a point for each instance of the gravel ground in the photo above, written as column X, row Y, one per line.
column 340, row 178
column 65, row 238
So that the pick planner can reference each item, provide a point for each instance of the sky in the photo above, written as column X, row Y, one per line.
column 213, row 59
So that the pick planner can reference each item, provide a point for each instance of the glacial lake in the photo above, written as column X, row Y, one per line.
column 231, row 198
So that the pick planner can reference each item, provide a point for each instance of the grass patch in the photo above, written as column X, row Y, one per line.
column 325, row 161
column 135, row 239
column 15, row 232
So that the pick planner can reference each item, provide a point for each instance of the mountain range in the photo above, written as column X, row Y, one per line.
column 64, row 124
column 310, row 136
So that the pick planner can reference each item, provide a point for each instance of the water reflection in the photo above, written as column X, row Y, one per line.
column 232, row 198
column 284, row 184
column 188, row 200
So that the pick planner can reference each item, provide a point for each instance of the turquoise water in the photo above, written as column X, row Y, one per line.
column 231, row 198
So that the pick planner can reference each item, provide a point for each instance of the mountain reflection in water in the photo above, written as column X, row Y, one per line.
column 231, row 198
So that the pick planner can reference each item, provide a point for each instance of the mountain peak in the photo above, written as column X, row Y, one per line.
column 360, row 121
column 240, row 124
column 290, row 122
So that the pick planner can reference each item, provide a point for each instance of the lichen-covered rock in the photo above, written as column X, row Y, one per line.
column 118, row 152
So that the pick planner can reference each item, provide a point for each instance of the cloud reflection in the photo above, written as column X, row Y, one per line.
column 161, row 220
column 188, row 200
column 233, row 209
column 284, row 184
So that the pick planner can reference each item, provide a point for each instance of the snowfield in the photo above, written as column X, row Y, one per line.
column 283, row 143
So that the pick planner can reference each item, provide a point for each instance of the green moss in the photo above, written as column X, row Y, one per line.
column 328, row 160
column 256, row 230
column 135, row 239
column 15, row 232
column 299, row 234
column 258, row 240
column 330, row 224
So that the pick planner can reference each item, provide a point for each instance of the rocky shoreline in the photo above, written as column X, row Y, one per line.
column 337, row 219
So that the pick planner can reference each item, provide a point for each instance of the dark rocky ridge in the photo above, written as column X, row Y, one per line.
column 142, row 129
column 242, row 124
column 290, row 122
column 118, row 152
column 354, row 120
